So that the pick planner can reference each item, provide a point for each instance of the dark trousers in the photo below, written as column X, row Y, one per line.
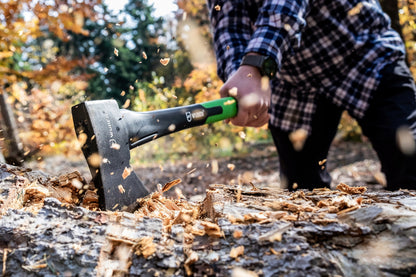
column 392, row 107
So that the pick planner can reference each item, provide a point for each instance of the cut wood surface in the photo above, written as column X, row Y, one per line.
column 50, row 226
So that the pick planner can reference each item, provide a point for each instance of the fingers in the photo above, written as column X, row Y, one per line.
column 253, row 97
column 252, row 111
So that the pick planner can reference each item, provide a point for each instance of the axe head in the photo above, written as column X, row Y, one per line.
column 101, row 127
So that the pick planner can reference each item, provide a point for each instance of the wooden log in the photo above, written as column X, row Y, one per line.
column 235, row 231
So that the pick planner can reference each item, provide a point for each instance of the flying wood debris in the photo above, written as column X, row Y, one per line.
column 121, row 189
column 165, row 61
column 94, row 160
column 126, row 104
column 115, row 146
column 298, row 139
column 171, row 184
column 233, row 92
column 144, row 55
column 127, row 171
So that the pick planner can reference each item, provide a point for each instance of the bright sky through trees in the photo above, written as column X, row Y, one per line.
column 162, row 7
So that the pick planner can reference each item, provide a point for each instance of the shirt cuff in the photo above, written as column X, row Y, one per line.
column 269, row 41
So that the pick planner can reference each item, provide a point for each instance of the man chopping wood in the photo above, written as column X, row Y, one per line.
column 321, row 57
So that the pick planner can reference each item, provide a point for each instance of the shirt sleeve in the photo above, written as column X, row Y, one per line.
column 267, row 27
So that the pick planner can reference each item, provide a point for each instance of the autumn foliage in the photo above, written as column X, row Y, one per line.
column 38, row 80
column 43, row 76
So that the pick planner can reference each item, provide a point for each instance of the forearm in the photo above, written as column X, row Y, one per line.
column 240, row 27
column 232, row 30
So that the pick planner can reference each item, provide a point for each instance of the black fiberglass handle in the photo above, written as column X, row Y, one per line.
column 143, row 127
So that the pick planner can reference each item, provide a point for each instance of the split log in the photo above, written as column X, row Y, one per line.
column 235, row 231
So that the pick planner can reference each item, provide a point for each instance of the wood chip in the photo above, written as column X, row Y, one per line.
column 145, row 247
column 121, row 189
column 237, row 251
column 237, row 234
column 164, row 61
column 351, row 190
column 212, row 229
column 171, row 184
column 298, row 138
column 127, row 171
column 192, row 258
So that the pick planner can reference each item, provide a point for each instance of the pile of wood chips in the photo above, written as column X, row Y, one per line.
column 69, row 189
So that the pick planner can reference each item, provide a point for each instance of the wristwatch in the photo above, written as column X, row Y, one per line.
column 266, row 65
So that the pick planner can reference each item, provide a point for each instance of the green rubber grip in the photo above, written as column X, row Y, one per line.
column 228, row 105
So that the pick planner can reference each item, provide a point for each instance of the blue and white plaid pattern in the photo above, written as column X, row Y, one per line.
column 334, row 48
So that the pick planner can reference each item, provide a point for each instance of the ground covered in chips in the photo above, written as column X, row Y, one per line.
column 242, row 225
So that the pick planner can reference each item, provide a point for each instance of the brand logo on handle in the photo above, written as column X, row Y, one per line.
column 188, row 116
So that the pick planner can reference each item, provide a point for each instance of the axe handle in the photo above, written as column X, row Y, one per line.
column 228, row 106
column 147, row 126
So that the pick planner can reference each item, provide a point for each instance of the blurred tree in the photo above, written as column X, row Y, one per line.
column 28, row 61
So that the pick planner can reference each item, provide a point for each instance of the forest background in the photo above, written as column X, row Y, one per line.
column 55, row 54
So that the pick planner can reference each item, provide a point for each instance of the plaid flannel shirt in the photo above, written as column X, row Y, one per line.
column 334, row 48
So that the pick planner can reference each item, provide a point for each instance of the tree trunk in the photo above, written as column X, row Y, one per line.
column 13, row 146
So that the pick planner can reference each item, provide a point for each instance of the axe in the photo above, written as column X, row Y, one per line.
column 109, row 133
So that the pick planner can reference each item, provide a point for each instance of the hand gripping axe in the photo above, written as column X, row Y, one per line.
column 110, row 133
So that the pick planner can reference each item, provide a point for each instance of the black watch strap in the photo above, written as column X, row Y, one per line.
column 254, row 60
column 265, row 64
